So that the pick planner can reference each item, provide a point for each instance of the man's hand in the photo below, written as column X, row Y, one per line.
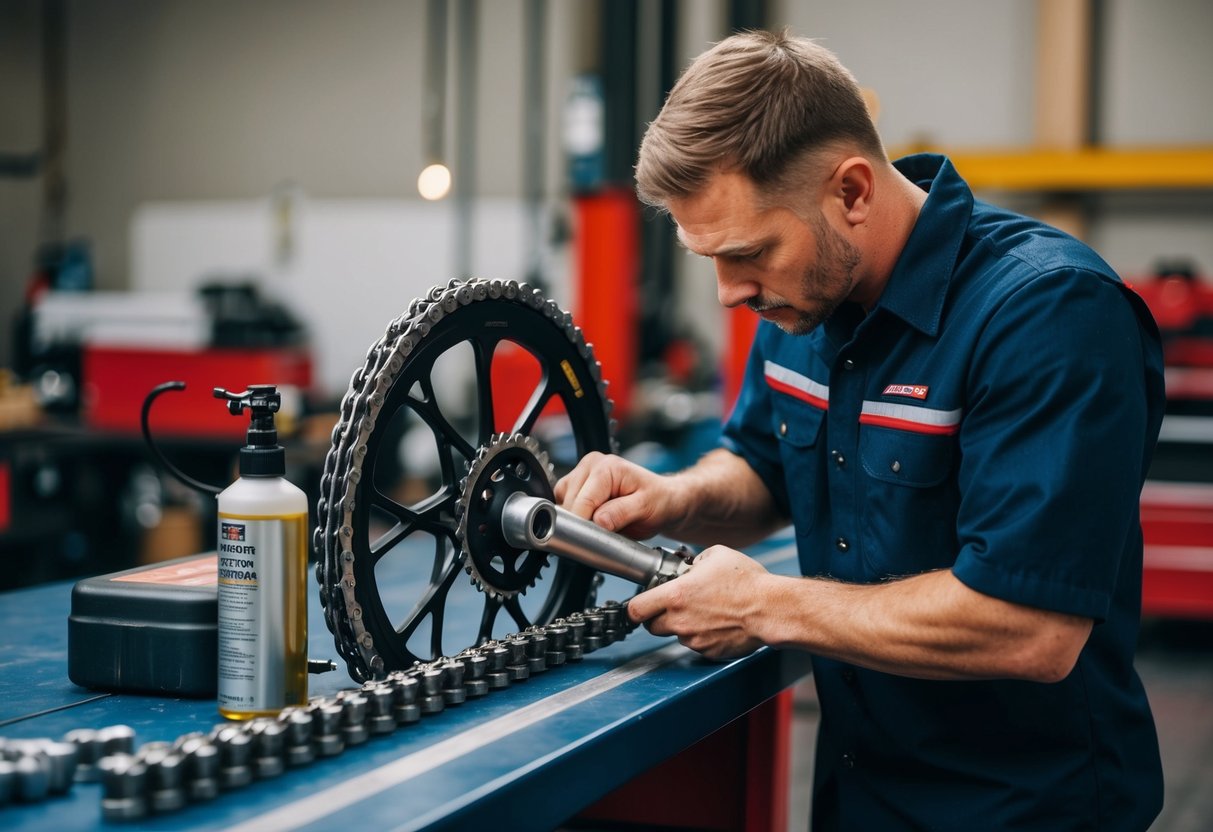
column 717, row 500
column 712, row 608
column 620, row 496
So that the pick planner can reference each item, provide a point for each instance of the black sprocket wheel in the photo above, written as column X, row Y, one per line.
column 370, row 515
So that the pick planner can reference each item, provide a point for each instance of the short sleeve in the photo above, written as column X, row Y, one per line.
column 747, row 431
column 1065, row 385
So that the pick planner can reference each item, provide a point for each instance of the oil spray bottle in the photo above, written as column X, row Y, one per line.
column 262, row 550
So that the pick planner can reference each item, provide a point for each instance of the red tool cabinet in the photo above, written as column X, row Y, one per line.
column 1177, row 501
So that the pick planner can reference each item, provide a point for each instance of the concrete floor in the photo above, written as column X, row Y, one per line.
column 1175, row 661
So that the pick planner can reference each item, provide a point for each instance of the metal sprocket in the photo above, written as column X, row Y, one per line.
column 507, row 465
column 398, row 377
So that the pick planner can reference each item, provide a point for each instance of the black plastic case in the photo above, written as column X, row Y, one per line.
column 147, row 630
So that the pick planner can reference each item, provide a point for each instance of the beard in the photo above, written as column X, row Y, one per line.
column 823, row 286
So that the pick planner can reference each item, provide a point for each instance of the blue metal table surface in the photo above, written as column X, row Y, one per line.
column 528, row 757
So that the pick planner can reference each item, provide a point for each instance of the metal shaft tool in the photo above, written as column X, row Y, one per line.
column 535, row 523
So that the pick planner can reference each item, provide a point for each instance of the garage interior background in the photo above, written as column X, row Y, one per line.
column 190, row 124
column 280, row 142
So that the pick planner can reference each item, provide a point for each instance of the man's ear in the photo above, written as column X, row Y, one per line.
column 852, row 187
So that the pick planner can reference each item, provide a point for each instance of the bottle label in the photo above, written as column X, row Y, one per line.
column 254, row 626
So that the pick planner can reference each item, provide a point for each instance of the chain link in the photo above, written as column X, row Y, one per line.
column 162, row 777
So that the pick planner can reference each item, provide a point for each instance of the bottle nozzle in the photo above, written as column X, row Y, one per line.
column 259, row 398
column 262, row 455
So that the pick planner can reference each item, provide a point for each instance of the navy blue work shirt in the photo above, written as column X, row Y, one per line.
column 994, row 414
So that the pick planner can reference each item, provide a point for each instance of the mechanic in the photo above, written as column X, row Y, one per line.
column 955, row 406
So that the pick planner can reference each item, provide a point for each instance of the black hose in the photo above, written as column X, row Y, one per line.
column 160, row 458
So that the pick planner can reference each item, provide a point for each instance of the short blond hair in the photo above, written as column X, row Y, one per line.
column 761, row 103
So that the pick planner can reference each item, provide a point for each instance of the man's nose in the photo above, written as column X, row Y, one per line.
column 732, row 289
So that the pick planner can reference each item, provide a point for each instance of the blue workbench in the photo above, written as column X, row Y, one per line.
column 528, row 757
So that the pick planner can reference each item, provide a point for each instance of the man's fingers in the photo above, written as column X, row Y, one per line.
column 615, row 494
column 597, row 489
column 587, row 486
column 572, row 482
column 623, row 511
column 594, row 492
column 646, row 605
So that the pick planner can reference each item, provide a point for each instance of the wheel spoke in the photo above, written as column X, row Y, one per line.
column 390, row 539
column 438, row 612
column 514, row 607
column 444, row 432
column 433, row 602
column 431, row 516
column 492, row 606
column 482, row 351
column 539, row 399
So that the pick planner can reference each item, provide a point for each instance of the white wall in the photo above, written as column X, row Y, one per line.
column 1156, row 72
column 948, row 72
column 354, row 264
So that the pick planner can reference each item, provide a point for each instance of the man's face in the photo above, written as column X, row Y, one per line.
column 790, row 271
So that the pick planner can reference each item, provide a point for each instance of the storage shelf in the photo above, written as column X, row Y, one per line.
column 1087, row 170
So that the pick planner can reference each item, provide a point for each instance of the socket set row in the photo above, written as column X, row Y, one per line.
column 163, row 777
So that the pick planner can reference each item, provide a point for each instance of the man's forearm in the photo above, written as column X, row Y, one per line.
column 929, row 626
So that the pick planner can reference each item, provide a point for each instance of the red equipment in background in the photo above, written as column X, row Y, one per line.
column 1177, row 521
column 117, row 379
column 605, row 245
column 741, row 326
column 1177, row 501
column 606, row 242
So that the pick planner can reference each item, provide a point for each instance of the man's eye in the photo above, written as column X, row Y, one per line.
column 753, row 255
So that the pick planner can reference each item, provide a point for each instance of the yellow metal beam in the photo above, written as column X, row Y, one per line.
column 1087, row 169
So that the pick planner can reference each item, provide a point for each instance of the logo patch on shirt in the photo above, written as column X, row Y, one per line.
column 913, row 391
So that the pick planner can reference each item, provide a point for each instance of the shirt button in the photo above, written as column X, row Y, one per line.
column 848, row 760
column 842, row 544
column 783, row 428
column 848, row 364
column 838, row 458
column 848, row 676
column 896, row 466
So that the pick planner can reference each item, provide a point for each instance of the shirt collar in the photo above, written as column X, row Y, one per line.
column 918, row 285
